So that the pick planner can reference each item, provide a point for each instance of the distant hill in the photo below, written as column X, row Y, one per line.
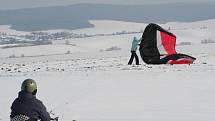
column 77, row 16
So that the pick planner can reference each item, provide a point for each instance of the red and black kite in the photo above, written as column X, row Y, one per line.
column 158, row 47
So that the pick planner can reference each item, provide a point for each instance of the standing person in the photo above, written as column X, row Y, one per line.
column 27, row 107
column 135, row 43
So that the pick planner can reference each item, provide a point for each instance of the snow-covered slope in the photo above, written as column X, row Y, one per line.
column 83, row 81
column 6, row 29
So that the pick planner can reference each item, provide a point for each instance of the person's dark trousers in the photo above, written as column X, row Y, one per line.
column 133, row 55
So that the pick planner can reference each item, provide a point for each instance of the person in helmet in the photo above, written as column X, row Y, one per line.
column 27, row 107
column 134, row 45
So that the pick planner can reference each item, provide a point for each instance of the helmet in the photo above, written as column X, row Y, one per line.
column 30, row 86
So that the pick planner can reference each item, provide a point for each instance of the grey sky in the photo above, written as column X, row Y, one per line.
column 17, row 4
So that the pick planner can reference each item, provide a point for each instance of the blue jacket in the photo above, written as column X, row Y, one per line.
column 135, row 43
column 27, row 104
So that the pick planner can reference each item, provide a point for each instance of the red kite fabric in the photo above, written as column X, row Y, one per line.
column 166, row 43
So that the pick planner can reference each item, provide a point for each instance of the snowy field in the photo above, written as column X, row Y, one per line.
column 89, row 83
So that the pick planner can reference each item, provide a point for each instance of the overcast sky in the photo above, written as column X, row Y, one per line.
column 17, row 4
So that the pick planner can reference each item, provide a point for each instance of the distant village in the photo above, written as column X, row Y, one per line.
column 44, row 38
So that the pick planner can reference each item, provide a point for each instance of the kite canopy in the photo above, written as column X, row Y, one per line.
column 158, row 47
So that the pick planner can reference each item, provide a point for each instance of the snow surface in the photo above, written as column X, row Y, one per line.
column 92, row 84
column 6, row 29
